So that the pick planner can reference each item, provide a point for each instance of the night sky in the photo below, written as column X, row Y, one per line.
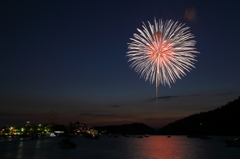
column 70, row 57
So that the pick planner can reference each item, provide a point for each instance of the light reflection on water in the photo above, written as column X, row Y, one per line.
column 153, row 147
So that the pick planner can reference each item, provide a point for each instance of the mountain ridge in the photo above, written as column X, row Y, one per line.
column 132, row 129
column 224, row 120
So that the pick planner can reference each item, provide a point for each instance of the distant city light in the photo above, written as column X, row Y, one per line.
column 58, row 132
column 52, row 135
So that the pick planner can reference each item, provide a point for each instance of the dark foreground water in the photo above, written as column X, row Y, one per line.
column 153, row 147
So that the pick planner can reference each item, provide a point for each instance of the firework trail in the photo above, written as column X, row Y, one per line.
column 162, row 52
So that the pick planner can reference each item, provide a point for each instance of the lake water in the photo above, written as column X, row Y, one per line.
column 153, row 147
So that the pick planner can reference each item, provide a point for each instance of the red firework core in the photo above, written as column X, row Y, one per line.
column 160, row 50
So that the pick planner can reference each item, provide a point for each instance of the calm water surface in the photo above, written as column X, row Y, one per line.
column 153, row 147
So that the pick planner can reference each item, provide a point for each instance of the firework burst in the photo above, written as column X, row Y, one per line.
column 162, row 52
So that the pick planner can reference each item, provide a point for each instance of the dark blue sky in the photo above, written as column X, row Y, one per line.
column 70, row 57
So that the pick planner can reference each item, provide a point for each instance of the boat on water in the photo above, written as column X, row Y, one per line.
column 66, row 144
column 91, row 136
column 199, row 136
column 34, row 136
column 193, row 136
column 233, row 143
column 204, row 137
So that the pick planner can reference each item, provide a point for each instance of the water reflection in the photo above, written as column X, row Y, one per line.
column 38, row 144
column 153, row 147
column 160, row 147
column 20, row 147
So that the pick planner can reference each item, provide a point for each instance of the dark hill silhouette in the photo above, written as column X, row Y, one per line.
column 224, row 120
column 132, row 129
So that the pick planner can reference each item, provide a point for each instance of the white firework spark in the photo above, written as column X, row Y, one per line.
column 162, row 52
